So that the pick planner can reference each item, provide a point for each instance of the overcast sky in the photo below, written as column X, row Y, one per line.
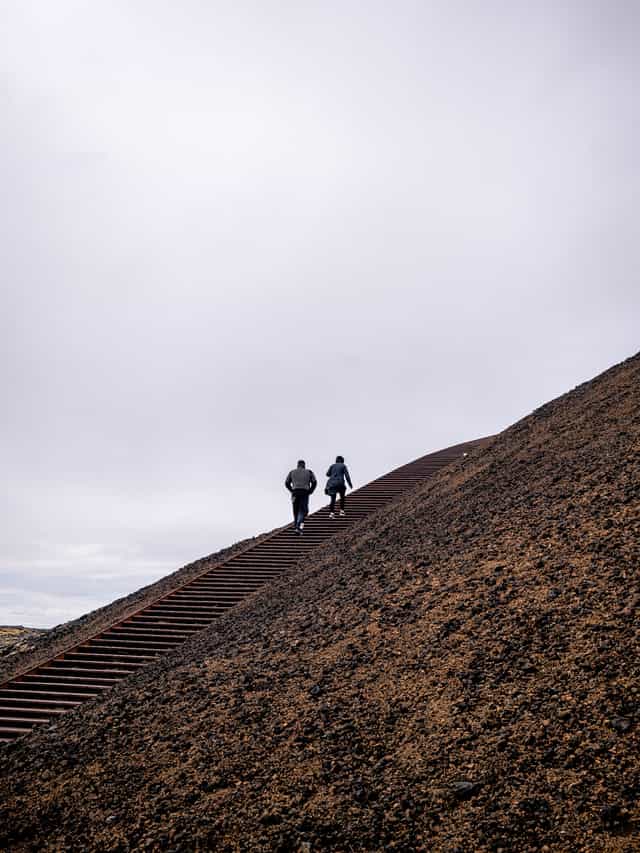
column 236, row 233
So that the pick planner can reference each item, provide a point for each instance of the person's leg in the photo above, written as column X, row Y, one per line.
column 342, row 499
column 304, row 503
column 332, row 502
column 296, row 510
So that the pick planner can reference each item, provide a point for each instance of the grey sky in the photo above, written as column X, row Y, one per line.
column 236, row 233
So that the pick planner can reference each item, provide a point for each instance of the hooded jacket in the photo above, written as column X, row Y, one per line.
column 337, row 474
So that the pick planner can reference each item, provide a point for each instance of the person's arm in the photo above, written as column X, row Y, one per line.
column 314, row 483
column 328, row 474
column 287, row 482
column 347, row 477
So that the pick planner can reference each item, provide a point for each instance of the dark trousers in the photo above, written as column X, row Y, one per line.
column 333, row 495
column 300, row 500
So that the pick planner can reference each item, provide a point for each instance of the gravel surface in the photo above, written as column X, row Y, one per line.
column 460, row 674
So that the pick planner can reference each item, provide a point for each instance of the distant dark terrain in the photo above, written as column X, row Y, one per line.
column 461, row 673
column 17, row 638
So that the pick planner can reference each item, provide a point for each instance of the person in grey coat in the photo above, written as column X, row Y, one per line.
column 337, row 474
column 301, row 482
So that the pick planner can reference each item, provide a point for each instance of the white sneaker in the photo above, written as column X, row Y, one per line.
column 342, row 512
column 301, row 528
column 332, row 515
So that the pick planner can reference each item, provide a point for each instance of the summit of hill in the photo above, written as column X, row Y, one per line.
column 460, row 673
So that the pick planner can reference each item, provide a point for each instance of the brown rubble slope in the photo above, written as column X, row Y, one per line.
column 460, row 674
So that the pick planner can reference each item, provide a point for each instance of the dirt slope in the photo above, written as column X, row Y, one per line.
column 462, row 674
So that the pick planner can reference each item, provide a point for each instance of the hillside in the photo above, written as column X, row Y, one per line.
column 460, row 674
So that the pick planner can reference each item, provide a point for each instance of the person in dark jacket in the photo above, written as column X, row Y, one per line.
column 337, row 474
column 301, row 482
